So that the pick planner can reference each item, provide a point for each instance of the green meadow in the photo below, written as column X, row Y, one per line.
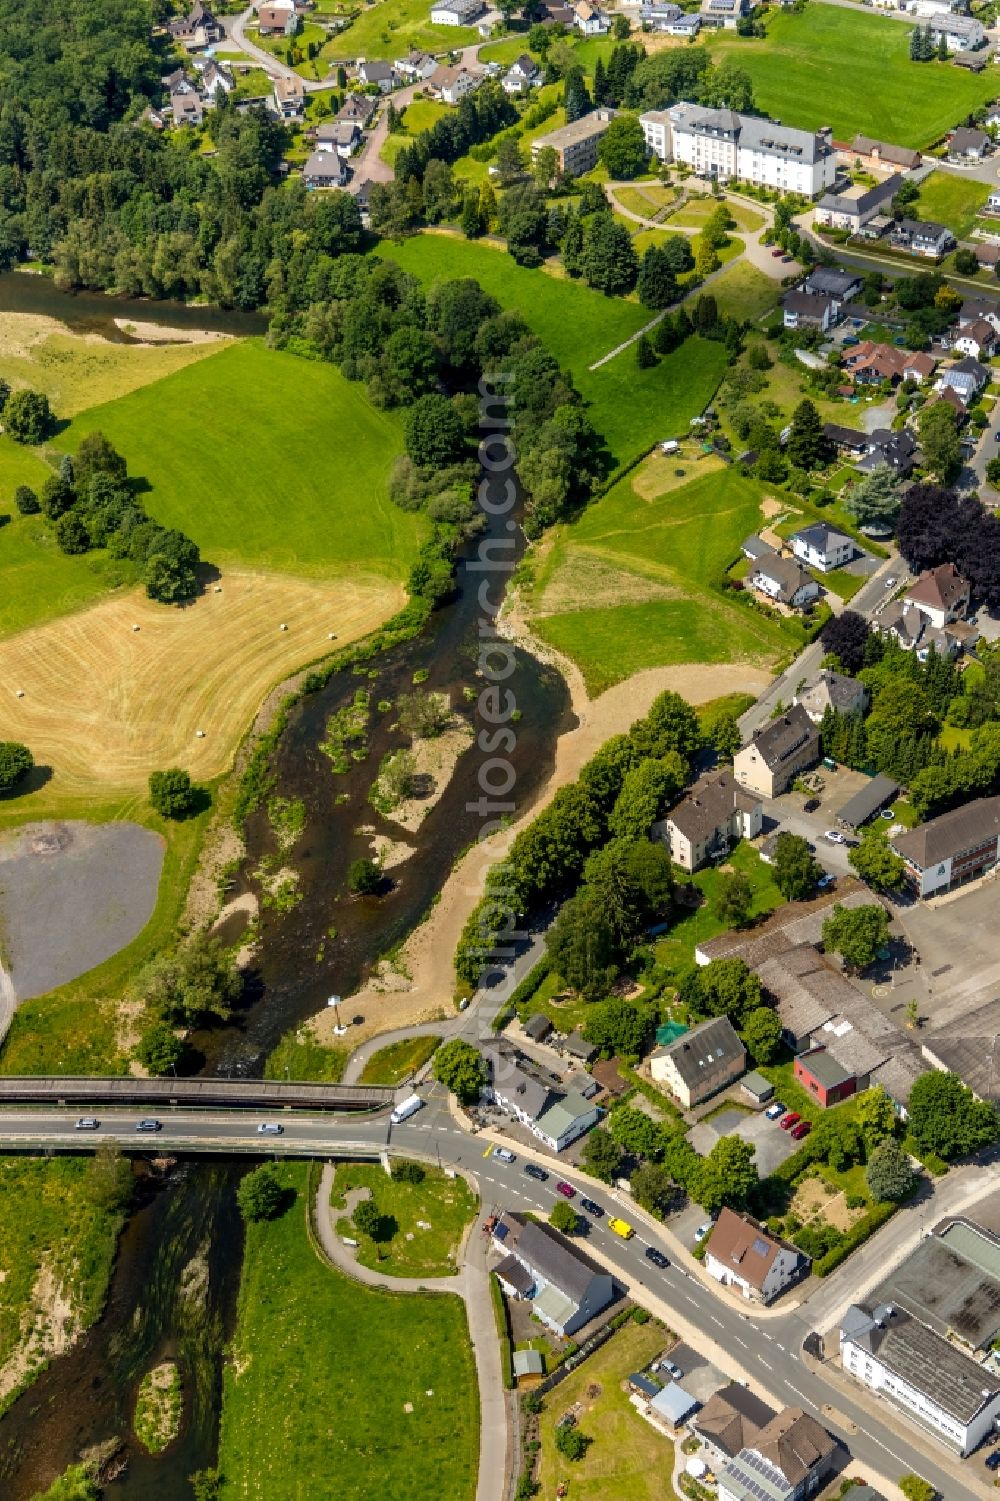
column 849, row 69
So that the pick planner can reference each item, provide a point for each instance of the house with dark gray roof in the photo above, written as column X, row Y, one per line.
column 755, row 547
column 833, row 281
column 945, row 1391
column 715, row 813
column 777, row 753
column 854, row 207
column 537, row 1098
column 704, row 1060
column 788, row 1460
column 730, row 1421
column 566, row 1289
column 871, row 799
column 784, row 580
column 808, row 310
column 953, row 849
column 822, row 546
column 921, row 237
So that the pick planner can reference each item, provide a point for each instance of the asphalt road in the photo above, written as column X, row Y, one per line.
column 766, row 1351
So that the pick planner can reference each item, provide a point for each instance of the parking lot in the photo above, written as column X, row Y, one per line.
column 771, row 1145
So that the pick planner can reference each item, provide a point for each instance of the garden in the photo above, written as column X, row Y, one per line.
column 422, row 1216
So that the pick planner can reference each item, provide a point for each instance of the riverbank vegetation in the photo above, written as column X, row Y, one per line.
column 58, row 1233
column 159, row 1407
column 399, row 1060
column 303, row 1331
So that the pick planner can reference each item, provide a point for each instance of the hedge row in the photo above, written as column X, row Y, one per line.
column 876, row 1217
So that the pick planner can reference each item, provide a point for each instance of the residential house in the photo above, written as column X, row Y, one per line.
column 658, row 15
column 186, row 109
column 789, row 1459
column 913, row 631
column 785, row 581
column 535, row 1098
column 152, row 117
column 832, row 690
column 978, row 338
column 961, row 33
column 849, row 441
column 723, row 145
column 950, row 1394
column 940, row 593
column 178, row 82
column 992, row 204
column 197, row 30
column 656, row 128
column 953, row 849
column 869, row 363
column 831, row 281
column 277, row 19
column 730, row 1421
column 822, row 546
column 704, row 1060
column 325, row 169
column 882, row 156
column 566, row 1289
column 754, row 548
column 853, row 207
column 777, row 753
column 714, row 814
column 217, row 82
column 968, row 144
column 289, row 97
column 821, row 1076
column 725, row 13
column 451, row 84
column 974, row 308
column 687, row 25
column 521, row 76
column 575, row 145
column 966, row 378
column 360, row 107
column 378, row 74
column 456, row 12
column 921, row 237
column 988, row 256
column 590, row 20
column 808, row 310
column 342, row 136
column 415, row 67
column 743, row 1255
column 924, row 8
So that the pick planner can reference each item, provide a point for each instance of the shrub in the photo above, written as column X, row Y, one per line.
column 16, row 761
column 27, row 501
column 873, row 1220
column 172, row 793
column 364, row 877
column 260, row 1195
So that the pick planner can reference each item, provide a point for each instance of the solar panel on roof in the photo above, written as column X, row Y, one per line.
column 760, row 1247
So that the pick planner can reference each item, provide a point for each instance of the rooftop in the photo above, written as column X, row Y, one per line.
column 946, row 1290
column 867, row 802
column 709, row 805
column 739, row 1241
column 953, row 1381
column 954, row 833
column 594, row 123
column 779, row 740
column 709, row 1048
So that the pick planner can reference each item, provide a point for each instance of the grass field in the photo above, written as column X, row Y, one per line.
column 105, row 705
column 632, row 408
column 628, row 1459
column 830, row 66
column 76, row 372
column 677, row 949
column 322, row 1370
column 389, row 29
column 634, row 582
column 947, row 198
column 392, row 1064
column 418, row 116
column 57, row 1244
column 246, row 453
column 744, row 292
column 429, row 1219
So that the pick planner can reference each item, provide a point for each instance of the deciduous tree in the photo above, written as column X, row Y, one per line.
column 945, row 1116
column 728, row 1175
column 856, row 933
column 762, row 1034
column 461, row 1068
column 260, row 1194
column 16, row 761
column 889, row 1174
column 796, row 869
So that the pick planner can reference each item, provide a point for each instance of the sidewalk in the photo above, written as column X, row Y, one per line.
column 472, row 1285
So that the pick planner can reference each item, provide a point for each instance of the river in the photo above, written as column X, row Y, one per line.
column 94, row 313
column 86, row 1396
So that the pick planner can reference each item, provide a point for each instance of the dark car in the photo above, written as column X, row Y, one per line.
column 148, row 1125
column 592, row 1208
column 810, row 805
column 993, row 1460
column 657, row 1258
column 802, row 1129
column 534, row 1171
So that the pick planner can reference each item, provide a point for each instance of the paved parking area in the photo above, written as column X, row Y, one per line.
column 771, row 1145
column 700, row 1378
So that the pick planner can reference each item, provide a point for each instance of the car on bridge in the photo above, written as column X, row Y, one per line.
column 87, row 1123
column 149, row 1124
column 270, row 1128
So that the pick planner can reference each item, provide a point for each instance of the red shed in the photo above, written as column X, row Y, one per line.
column 824, row 1078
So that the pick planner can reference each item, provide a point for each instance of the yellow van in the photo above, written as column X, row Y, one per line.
column 622, row 1228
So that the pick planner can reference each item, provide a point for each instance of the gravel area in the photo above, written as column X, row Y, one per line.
column 71, row 895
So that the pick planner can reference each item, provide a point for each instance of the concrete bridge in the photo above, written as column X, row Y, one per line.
column 229, row 1094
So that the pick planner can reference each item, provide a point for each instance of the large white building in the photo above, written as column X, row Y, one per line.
column 950, row 1394
column 723, row 145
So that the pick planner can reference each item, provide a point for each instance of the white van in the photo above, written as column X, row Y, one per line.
column 408, row 1107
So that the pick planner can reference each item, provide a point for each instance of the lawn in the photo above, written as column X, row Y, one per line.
column 634, row 582
column 676, row 950
column 390, row 29
column 57, row 1239
column 840, row 67
column 418, row 116
column 300, row 1055
column 392, row 1064
column 631, row 408
column 427, row 1219
column 336, row 1390
column 742, row 291
column 628, row 1459
column 948, row 198
column 245, row 452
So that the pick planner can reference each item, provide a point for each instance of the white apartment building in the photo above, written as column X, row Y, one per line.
column 656, row 128
column 722, row 145
column 950, row 1395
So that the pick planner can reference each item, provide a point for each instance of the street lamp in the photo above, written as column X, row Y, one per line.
column 339, row 1029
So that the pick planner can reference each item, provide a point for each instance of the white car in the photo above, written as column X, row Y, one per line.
column 702, row 1231
column 504, row 1154
column 834, row 836
column 269, row 1128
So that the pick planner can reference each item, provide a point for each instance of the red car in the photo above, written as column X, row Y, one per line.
column 777, row 253
column 568, row 1192
column 788, row 1121
column 802, row 1129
